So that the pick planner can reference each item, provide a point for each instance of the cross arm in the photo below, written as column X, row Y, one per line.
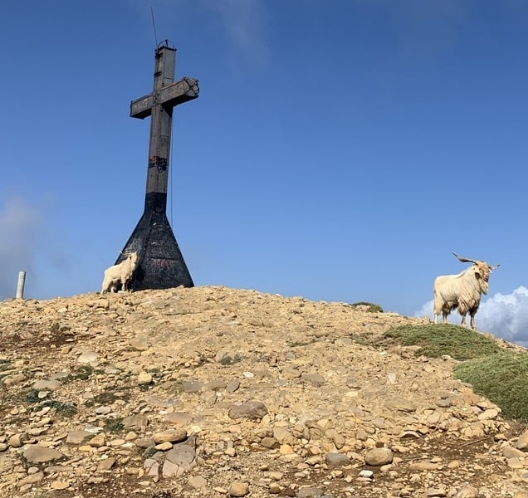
column 170, row 96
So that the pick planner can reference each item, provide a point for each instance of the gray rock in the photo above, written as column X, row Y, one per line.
column 511, row 452
column 144, row 379
column 378, row 457
column 191, row 386
column 170, row 469
column 522, row 442
column 78, row 437
column 32, row 479
column 178, row 418
column 139, row 421
column 366, row 473
column 144, row 442
column 51, row 385
column 41, row 454
column 467, row 491
column 291, row 373
column 216, row 385
column 269, row 442
column 400, row 404
column 88, row 357
column 152, row 467
column 232, row 386
column 315, row 379
column 182, row 455
column 197, row 482
column 238, row 489
column 103, row 410
column 282, row 435
column 15, row 441
column 171, row 436
column 106, row 464
column 336, row 459
column 251, row 410
column 436, row 492
column 310, row 493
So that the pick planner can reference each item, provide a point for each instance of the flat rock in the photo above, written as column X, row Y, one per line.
column 88, row 357
column 251, row 410
column 41, row 454
column 336, row 459
column 171, row 436
column 400, row 404
column 78, row 437
column 51, row 385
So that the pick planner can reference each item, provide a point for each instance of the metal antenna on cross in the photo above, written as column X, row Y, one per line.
column 160, row 261
column 154, row 26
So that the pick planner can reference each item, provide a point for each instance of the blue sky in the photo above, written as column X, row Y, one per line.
column 340, row 150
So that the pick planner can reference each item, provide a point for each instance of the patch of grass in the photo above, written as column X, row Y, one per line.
column 114, row 425
column 83, row 372
column 436, row 340
column 150, row 452
column 4, row 365
column 370, row 307
column 63, row 409
column 66, row 410
column 230, row 360
column 57, row 327
column 260, row 323
column 502, row 378
column 31, row 396
column 108, row 396
column 364, row 339
column 163, row 494
column 296, row 344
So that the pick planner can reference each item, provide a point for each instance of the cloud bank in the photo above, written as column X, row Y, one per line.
column 19, row 226
column 504, row 315
column 245, row 24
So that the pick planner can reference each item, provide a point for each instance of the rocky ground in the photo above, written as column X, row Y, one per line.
column 216, row 392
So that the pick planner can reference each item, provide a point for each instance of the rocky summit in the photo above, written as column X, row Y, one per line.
column 218, row 392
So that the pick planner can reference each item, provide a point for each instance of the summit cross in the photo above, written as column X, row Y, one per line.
column 160, row 263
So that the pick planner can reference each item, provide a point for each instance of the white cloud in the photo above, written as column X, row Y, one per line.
column 505, row 316
column 19, row 225
column 245, row 23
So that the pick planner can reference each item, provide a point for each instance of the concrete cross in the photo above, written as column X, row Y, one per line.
column 160, row 264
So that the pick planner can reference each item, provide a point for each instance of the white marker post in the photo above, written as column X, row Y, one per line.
column 20, row 285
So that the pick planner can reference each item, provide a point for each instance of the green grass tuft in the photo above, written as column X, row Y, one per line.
column 31, row 396
column 83, row 372
column 114, row 425
column 502, row 378
column 370, row 307
column 437, row 340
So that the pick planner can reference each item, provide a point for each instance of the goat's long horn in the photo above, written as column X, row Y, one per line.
column 464, row 260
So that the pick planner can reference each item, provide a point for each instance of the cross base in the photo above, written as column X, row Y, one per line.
column 160, row 262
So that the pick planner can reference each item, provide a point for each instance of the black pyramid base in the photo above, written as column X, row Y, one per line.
column 160, row 261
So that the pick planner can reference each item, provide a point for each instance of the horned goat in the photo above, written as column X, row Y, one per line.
column 462, row 291
column 120, row 274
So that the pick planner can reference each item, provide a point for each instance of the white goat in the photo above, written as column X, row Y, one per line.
column 462, row 291
column 120, row 274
